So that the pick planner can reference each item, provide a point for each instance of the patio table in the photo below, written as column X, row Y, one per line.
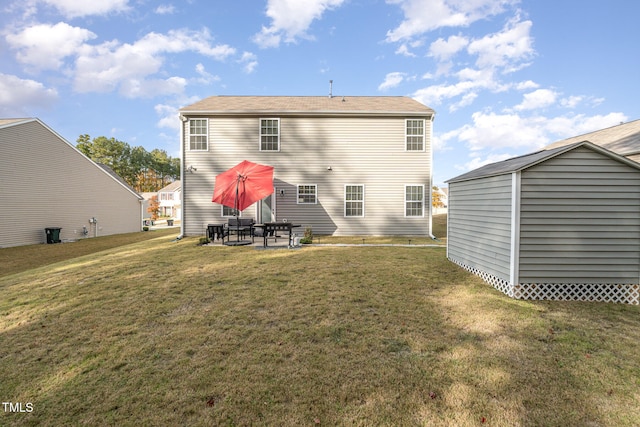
column 274, row 227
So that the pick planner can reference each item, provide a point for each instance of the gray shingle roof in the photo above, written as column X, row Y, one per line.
column 519, row 163
column 623, row 139
column 5, row 122
column 308, row 105
column 171, row 187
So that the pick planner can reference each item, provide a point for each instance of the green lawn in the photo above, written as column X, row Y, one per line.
column 159, row 332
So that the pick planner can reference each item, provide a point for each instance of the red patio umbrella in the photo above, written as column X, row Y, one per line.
column 243, row 185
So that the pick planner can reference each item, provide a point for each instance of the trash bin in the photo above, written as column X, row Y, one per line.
column 170, row 222
column 53, row 234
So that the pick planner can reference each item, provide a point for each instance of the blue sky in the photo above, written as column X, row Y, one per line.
column 505, row 77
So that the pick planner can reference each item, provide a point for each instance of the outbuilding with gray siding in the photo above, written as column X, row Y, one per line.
column 560, row 224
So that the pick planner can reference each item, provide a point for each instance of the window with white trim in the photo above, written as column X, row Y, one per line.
column 354, row 200
column 269, row 134
column 307, row 194
column 414, row 200
column 227, row 211
column 414, row 135
column 198, row 134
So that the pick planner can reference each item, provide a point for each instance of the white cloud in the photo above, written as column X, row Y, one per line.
column 291, row 19
column 509, row 49
column 46, row 46
column 466, row 88
column 504, row 51
column 497, row 131
column 404, row 50
column 392, row 80
column 112, row 65
column 526, row 85
column 169, row 113
column 148, row 88
column 205, row 78
column 168, row 116
column 165, row 9
column 434, row 95
column 176, row 41
column 75, row 8
column 540, row 98
column 569, row 126
column 422, row 16
column 443, row 50
column 250, row 62
column 571, row 101
column 490, row 134
column 19, row 96
column 466, row 100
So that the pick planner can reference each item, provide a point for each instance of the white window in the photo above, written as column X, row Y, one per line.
column 198, row 134
column 414, row 200
column 269, row 134
column 307, row 194
column 414, row 135
column 227, row 211
column 354, row 200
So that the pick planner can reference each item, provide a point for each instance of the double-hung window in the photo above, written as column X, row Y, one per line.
column 307, row 194
column 198, row 134
column 354, row 200
column 269, row 134
column 227, row 211
column 414, row 200
column 414, row 135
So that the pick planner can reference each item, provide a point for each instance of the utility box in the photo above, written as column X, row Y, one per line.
column 53, row 234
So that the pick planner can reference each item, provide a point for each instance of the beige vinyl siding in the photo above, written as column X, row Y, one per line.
column 479, row 224
column 369, row 151
column 580, row 220
column 45, row 182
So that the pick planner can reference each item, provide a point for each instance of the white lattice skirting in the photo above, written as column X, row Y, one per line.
column 618, row 293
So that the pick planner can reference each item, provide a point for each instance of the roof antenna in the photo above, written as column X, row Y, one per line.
column 330, row 88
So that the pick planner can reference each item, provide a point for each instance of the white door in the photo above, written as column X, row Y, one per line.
column 267, row 209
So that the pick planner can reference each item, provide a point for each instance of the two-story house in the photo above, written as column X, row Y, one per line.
column 169, row 198
column 343, row 165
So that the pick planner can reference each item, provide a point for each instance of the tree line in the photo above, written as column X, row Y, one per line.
column 143, row 170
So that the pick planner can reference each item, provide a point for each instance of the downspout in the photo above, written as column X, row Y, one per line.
column 448, row 212
column 430, row 190
column 514, row 262
column 183, row 120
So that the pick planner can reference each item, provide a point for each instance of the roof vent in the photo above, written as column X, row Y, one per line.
column 330, row 89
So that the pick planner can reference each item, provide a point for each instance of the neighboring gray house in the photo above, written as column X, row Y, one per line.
column 46, row 182
column 343, row 165
column 559, row 224
column 622, row 139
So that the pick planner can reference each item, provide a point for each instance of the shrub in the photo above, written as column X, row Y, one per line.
column 308, row 236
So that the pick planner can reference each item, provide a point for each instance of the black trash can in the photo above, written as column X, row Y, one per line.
column 53, row 234
column 170, row 223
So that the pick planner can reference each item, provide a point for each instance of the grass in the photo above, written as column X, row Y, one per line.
column 21, row 258
column 159, row 332
column 439, row 231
